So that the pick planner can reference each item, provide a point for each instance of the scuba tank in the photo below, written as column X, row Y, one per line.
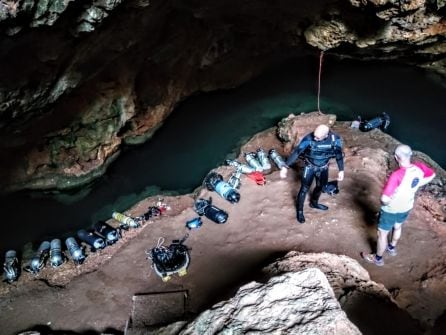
column 94, row 241
column 126, row 221
column 56, row 256
column 11, row 267
column 39, row 258
column 239, row 166
column 277, row 159
column 205, row 207
column 170, row 260
column 263, row 159
column 215, row 182
column 234, row 180
column 251, row 159
column 382, row 122
column 110, row 234
column 75, row 251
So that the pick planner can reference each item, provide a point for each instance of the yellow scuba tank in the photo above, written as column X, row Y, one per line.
column 125, row 220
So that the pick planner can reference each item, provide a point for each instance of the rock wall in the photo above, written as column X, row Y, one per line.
column 81, row 78
column 293, row 303
column 368, row 305
column 302, row 293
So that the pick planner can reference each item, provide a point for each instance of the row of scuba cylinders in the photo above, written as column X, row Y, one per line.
column 258, row 161
column 98, row 238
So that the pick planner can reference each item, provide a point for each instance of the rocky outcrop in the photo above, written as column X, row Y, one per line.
column 293, row 303
column 300, row 297
column 413, row 22
column 344, row 274
column 358, row 295
column 96, row 296
column 81, row 78
column 292, row 129
column 47, row 13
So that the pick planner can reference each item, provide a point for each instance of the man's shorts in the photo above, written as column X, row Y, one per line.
column 388, row 220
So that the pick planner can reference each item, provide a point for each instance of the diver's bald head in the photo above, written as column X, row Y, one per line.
column 403, row 152
column 321, row 132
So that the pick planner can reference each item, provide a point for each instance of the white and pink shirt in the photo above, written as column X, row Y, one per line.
column 402, row 186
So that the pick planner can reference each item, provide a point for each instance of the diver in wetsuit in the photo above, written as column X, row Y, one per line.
column 316, row 148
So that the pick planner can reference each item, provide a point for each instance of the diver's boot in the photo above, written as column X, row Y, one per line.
column 300, row 216
column 314, row 202
column 318, row 206
column 300, row 206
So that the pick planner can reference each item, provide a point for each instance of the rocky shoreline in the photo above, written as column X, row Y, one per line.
column 97, row 294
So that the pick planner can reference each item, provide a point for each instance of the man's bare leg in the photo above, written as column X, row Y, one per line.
column 382, row 242
column 396, row 234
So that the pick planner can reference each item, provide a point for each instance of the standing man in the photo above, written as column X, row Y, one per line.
column 316, row 148
column 397, row 201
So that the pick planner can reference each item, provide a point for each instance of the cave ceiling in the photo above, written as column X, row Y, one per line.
column 78, row 79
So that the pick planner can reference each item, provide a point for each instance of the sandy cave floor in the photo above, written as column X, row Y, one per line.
column 261, row 227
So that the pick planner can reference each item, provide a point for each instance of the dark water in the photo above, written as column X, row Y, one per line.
column 206, row 129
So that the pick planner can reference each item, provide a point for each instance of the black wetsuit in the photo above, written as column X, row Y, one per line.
column 316, row 155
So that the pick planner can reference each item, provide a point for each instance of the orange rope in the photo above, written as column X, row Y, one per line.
column 319, row 81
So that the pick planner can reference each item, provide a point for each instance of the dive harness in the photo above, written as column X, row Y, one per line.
column 167, row 261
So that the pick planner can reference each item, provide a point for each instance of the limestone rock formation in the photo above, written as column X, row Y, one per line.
column 81, row 78
column 414, row 22
column 297, row 299
column 293, row 303
column 364, row 300
column 292, row 129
